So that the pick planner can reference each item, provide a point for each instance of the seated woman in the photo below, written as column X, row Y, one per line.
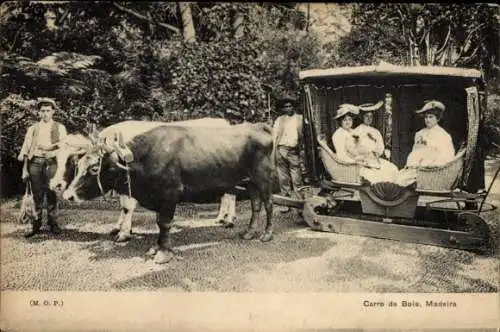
column 342, row 138
column 433, row 146
column 357, row 146
column 366, row 128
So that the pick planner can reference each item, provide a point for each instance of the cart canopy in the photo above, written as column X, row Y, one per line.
column 403, row 91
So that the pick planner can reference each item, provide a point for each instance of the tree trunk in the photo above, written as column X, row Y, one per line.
column 238, row 25
column 187, row 22
column 414, row 53
column 308, row 19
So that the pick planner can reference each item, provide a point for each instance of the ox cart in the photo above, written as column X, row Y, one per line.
column 443, row 207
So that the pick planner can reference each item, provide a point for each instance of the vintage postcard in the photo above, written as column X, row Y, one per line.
column 249, row 166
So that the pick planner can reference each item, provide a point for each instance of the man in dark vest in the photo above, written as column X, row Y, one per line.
column 39, row 164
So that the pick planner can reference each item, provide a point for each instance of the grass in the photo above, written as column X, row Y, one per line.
column 213, row 258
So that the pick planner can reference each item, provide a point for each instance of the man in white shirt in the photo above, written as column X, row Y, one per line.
column 39, row 164
column 287, row 138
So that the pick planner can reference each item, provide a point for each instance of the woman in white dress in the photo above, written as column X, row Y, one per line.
column 366, row 127
column 361, row 146
column 433, row 146
column 342, row 138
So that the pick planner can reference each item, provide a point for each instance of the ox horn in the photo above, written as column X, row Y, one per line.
column 93, row 133
column 102, row 144
column 123, row 151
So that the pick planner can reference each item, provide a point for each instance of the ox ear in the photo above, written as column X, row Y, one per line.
column 101, row 146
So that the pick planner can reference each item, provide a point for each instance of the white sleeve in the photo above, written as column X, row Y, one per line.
column 447, row 152
column 418, row 136
column 339, row 143
column 26, row 144
column 62, row 132
column 275, row 129
column 380, row 142
column 414, row 157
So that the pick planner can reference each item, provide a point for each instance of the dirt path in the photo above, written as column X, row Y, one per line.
column 83, row 258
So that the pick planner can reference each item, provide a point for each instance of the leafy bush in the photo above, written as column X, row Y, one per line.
column 356, row 49
column 122, row 68
column 17, row 115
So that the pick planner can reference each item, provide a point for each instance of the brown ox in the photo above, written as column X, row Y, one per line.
column 174, row 164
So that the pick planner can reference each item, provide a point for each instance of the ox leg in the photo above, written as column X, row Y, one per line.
column 268, row 205
column 164, row 221
column 221, row 217
column 263, row 186
column 118, row 226
column 153, row 250
column 128, row 206
column 256, row 203
column 231, row 216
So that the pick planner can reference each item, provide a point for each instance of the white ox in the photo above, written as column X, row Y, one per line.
column 76, row 145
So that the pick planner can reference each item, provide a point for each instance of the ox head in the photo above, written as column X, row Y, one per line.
column 71, row 148
column 96, row 169
column 69, row 151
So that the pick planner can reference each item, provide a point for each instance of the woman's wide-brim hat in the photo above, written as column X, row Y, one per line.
column 371, row 107
column 431, row 105
column 346, row 109
column 46, row 101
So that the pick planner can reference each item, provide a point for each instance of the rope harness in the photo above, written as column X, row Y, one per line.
column 128, row 178
column 124, row 167
column 99, row 178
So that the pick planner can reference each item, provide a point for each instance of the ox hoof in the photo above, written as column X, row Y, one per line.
column 152, row 251
column 226, row 224
column 249, row 235
column 266, row 237
column 163, row 256
column 122, row 237
column 114, row 232
column 230, row 224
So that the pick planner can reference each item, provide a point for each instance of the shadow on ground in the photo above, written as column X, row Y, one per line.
column 223, row 268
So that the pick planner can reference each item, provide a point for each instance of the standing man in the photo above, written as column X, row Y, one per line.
column 287, row 138
column 39, row 164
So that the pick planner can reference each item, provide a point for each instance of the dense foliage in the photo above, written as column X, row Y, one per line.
column 109, row 61
column 462, row 35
